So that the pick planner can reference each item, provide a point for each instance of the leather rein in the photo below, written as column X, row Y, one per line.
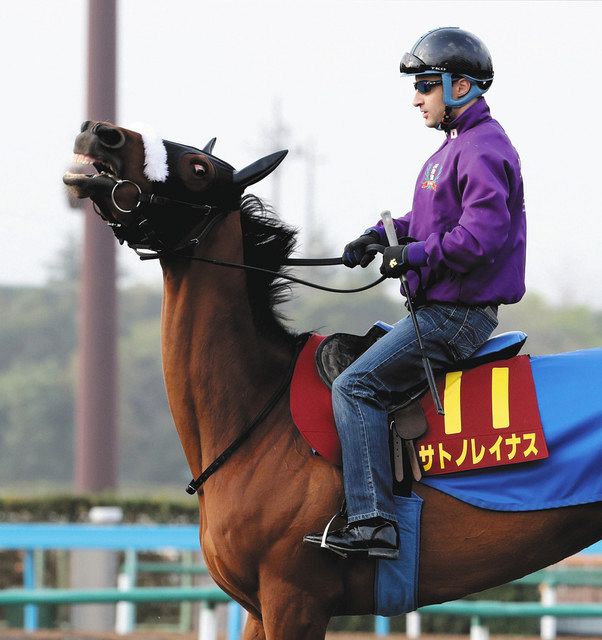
column 142, row 238
column 151, row 247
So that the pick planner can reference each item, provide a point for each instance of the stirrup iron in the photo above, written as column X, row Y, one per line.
column 323, row 544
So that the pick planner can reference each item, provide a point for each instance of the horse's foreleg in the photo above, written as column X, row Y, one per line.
column 295, row 618
column 253, row 629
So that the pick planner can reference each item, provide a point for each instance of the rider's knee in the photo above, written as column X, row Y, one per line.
column 342, row 384
column 353, row 384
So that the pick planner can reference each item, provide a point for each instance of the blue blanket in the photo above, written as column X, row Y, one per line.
column 396, row 581
column 569, row 395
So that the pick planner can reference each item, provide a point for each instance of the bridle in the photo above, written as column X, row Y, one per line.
column 139, row 232
column 140, row 236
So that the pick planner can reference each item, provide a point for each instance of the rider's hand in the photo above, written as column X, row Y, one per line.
column 355, row 252
column 395, row 261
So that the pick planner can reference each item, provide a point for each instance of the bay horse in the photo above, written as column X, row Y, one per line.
column 225, row 351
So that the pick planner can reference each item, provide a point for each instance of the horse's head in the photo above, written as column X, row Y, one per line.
column 154, row 193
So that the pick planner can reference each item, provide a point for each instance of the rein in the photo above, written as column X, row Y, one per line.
column 292, row 261
column 146, row 251
column 302, row 262
column 195, row 484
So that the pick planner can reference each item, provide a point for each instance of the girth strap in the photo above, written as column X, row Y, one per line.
column 194, row 485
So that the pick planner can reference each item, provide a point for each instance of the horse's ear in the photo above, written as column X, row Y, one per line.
column 208, row 148
column 258, row 169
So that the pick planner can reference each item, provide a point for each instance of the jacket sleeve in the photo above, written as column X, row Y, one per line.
column 483, row 227
column 401, row 224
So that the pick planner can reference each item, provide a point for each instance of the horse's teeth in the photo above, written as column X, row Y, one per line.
column 80, row 158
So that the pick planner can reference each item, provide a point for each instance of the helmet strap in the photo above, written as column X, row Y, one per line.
column 474, row 92
column 447, row 118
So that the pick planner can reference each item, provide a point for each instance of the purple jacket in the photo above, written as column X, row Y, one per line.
column 468, row 214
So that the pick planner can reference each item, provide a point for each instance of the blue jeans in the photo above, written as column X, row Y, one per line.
column 361, row 395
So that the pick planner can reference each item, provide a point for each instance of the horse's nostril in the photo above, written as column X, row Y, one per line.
column 109, row 136
column 85, row 125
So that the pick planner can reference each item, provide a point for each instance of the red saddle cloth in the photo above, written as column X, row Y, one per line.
column 311, row 404
column 492, row 416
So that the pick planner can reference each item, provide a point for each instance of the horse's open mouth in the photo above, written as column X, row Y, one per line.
column 84, row 183
column 99, row 165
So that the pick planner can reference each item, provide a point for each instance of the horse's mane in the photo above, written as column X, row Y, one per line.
column 267, row 242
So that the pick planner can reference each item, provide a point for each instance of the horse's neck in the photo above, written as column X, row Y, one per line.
column 218, row 370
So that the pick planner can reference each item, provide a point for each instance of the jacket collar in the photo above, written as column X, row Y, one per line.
column 474, row 115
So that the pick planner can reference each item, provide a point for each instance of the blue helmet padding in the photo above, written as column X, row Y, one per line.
column 475, row 91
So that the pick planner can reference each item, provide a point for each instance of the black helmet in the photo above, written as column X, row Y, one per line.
column 451, row 51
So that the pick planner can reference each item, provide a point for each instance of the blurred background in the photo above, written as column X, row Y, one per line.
column 318, row 78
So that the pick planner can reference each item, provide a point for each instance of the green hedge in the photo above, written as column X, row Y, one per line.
column 68, row 508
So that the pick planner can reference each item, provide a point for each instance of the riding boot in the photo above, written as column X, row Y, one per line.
column 376, row 537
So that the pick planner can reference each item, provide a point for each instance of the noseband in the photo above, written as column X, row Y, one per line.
column 140, row 234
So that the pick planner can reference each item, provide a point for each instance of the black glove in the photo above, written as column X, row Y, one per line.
column 355, row 252
column 395, row 261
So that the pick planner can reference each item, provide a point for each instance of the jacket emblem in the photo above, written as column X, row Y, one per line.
column 431, row 176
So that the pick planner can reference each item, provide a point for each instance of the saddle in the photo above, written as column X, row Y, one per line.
column 338, row 351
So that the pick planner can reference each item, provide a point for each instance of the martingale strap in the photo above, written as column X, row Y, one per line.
column 194, row 485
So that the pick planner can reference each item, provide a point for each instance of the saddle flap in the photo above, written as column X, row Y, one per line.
column 410, row 421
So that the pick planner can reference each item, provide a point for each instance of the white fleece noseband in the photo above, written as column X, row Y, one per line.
column 155, row 153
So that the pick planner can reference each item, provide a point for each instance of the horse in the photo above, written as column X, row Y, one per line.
column 225, row 352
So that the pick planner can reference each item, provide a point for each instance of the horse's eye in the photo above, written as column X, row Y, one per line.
column 199, row 169
column 109, row 136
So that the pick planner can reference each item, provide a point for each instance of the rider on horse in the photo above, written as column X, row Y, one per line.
column 463, row 248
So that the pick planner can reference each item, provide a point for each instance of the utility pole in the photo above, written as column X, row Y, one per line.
column 313, row 238
column 96, row 396
column 278, row 135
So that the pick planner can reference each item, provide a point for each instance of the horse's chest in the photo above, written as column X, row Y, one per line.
column 228, row 565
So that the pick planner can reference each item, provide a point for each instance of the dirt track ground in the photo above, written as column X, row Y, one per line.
column 9, row 634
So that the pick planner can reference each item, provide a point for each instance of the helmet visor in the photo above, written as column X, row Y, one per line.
column 411, row 65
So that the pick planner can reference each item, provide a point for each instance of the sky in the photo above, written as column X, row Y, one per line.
column 327, row 71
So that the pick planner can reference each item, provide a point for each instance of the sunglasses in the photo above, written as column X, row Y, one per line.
column 425, row 86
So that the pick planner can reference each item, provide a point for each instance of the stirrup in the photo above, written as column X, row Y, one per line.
column 323, row 544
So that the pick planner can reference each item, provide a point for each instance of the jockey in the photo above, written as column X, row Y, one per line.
column 463, row 248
